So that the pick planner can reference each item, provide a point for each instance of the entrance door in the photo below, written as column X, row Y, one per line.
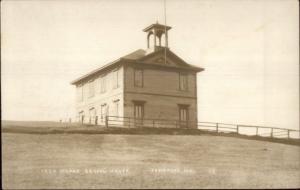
column 183, row 115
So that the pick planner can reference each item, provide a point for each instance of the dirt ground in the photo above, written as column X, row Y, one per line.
column 37, row 161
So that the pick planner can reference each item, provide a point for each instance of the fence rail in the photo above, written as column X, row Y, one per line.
column 273, row 132
column 218, row 127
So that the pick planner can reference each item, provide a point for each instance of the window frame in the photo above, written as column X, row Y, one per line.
column 181, row 88
column 116, row 107
column 92, row 114
column 142, row 77
column 80, row 93
column 116, row 78
column 103, row 112
column 102, row 84
column 187, row 114
column 91, row 88
column 137, row 103
column 81, row 116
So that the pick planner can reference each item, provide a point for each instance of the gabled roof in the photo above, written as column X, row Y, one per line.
column 141, row 56
column 169, row 54
column 135, row 55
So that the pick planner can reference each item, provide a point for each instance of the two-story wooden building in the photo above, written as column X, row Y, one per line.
column 152, row 83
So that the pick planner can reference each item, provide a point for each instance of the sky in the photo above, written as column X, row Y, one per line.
column 249, row 50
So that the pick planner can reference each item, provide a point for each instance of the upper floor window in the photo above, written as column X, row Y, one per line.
column 80, row 93
column 91, row 88
column 138, row 78
column 116, row 78
column 102, row 84
column 183, row 81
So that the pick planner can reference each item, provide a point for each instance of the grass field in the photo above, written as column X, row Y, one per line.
column 37, row 161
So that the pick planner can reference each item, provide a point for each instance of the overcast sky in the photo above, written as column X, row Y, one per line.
column 249, row 50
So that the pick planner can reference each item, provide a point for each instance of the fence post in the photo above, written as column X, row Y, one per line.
column 271, row 132
column 129, row 122
column 237, row 129
column 106, row 121
column 217, row 127
column 256, row 131
column 153, row 123
column 288, row 133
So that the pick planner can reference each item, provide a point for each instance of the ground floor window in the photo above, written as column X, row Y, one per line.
column 103, row 112
column 81, row 116
column 116, row 107
column 183, row 114
column 93, row 116
column 139, row 112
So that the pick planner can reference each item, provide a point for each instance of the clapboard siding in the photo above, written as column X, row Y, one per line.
column 160, row 82
column 160, row 93
column 112, row 94
column 160, row 107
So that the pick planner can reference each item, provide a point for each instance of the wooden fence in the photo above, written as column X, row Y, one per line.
column 273, row 132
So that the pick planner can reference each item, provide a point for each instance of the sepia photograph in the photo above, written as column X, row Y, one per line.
column 153, row 94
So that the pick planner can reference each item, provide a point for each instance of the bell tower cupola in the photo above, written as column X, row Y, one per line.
column 157, row 32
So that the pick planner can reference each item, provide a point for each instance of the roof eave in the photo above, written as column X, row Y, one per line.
column 153, row 25
column 143, row 64
column 76, row 81
column 199, row 69
column 188, row 66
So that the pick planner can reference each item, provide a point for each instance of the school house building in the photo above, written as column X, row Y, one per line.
column 152, row 83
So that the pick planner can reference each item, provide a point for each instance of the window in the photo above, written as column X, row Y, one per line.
column 103, row 112
column 80, row 93
column 138, row 78
column 91, row 88
column 116, row 107
column 183, row 115
column 139, row 113
column 138, row 109
column 92, row 114
column 183, row 81
column 81, row 116
column 116, row 79
column 102, row 84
